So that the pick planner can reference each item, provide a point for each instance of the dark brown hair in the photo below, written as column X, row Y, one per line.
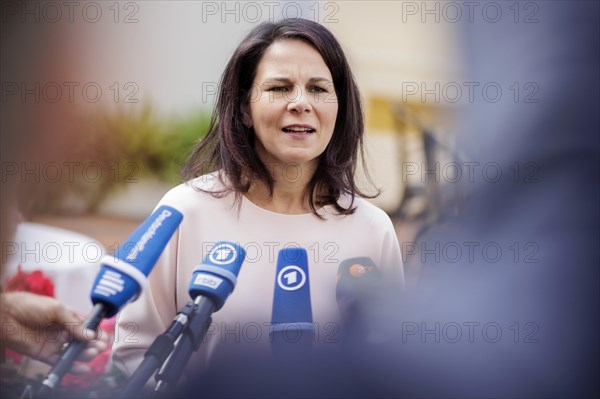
column 229, row 145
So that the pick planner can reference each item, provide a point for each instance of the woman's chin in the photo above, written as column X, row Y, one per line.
column 298, row 162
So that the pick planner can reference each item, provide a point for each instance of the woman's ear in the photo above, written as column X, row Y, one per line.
column 246, row 118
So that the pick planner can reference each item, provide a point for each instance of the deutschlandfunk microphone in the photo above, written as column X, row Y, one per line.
column 120, row 280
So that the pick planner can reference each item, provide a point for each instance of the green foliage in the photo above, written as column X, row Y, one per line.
column 155, row 146
column 109, row 150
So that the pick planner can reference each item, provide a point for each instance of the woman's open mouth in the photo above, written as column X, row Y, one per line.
column 306, row 129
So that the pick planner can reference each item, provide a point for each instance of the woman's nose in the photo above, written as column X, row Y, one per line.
column 298, row 101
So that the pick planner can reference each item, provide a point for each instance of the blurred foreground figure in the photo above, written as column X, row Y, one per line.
column 510, row 309
column 32, row 324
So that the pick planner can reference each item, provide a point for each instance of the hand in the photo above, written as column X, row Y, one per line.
column 38, row 326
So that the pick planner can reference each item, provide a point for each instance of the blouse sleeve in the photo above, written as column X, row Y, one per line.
column 391, row 257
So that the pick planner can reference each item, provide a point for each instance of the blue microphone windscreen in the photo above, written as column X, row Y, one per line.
column 216, row 276
column 291, row 299
column 123, row 275
column 147, row 242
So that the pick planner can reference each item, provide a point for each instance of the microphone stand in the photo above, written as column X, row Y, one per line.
column 158, row 352
column 71, row 352
column 188, row 342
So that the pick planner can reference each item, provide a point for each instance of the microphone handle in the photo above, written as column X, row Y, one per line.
column 74, row 348
column 158, row 352
column 188, row 342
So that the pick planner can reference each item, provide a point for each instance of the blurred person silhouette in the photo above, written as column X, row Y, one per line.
column 511, row 308
column 276, row 170
column 32, row 324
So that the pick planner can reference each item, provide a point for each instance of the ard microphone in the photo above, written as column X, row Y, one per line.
column 216, row 277
column 292, row 329
column 121, row 279
column 212, row 282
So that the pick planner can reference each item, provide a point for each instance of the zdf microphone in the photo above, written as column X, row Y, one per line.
column 120, row 280
column 358, row 279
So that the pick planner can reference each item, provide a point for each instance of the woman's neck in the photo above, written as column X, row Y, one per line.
column 289, row 189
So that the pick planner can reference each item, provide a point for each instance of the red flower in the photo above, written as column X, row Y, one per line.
column 35, row 282
column 76, row 383
column 14, row 356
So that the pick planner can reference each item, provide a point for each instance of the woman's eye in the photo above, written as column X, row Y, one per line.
column 317, row 89
column 278, row 89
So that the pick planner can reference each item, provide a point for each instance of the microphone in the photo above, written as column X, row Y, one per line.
column 120, row 280
column 356, row 279
column 292, row 330
column 158, row 352
column 212, row 282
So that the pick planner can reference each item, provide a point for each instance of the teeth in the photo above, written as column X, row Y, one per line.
column 298, row 129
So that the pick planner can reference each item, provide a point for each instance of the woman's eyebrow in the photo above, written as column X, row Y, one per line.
column 281, row 79
column 277, row 80
column 319, row 79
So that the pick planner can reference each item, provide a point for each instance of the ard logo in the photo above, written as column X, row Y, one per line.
column 291, row 278
column 223, row 254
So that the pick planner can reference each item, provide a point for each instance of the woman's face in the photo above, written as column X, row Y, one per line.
column 293, row 106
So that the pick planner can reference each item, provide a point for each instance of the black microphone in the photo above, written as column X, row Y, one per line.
column 292, row 330
column 357, row 279
column 120, row 280
column 158, row 352
column 212, row 282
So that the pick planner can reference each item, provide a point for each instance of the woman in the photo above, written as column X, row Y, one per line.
column 276, row 170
